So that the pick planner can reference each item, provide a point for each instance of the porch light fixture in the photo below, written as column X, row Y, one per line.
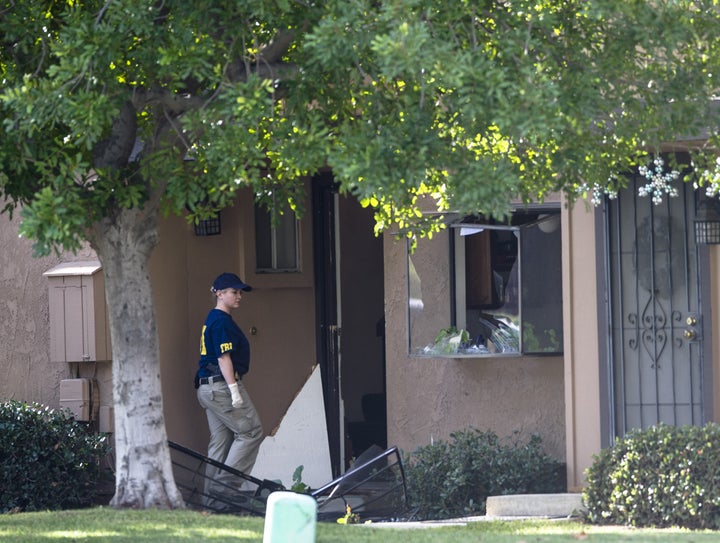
column 208, row 227
column 707, row 221
column 203, row 227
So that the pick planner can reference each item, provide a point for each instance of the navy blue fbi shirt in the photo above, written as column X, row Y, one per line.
column 221, row 335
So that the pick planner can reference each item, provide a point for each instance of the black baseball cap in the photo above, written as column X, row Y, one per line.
column 229, row 280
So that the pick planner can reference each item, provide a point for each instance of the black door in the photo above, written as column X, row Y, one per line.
column 657, row 369
column 326, row 303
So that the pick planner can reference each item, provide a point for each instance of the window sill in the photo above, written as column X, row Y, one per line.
column 484, row 355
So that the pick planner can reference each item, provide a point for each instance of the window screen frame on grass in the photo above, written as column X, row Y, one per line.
column 506, row 301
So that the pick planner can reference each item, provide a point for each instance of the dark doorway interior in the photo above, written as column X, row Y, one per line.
column 350, row 325
column 363, row 329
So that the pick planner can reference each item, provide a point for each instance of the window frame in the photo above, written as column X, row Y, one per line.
column 273, row 237
column 459, row 294
column 522, row 220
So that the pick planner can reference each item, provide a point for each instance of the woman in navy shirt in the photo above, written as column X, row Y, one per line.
column 235, row 428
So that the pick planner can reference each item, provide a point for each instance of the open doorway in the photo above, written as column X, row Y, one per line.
column 350, row 313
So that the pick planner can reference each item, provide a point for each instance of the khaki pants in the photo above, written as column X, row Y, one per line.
column 235, row 436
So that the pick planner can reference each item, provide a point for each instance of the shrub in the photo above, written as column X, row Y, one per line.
column 47, row 460
column 659, row 477
column 454, row 478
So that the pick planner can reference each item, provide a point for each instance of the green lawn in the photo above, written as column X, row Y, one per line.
column 101, row 525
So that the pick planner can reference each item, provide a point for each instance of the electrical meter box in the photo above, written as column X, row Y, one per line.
column 75, row 396
column 106, row 419
column 79, row 328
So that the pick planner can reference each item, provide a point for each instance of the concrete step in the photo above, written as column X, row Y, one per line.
column 535, row 505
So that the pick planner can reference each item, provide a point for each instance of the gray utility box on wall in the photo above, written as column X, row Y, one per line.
column 79, row 330
column 75, row 396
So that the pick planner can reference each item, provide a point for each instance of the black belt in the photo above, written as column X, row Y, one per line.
column 210, row 380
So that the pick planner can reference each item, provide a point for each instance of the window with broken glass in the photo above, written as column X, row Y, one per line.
column 484, row 288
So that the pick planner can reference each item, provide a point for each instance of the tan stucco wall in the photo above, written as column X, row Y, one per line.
column 580, row 316
column 171, row 294
column 182, row 269
column 428, row 398
column 28, row 374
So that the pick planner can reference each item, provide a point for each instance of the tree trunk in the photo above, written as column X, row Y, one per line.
column 144, row 477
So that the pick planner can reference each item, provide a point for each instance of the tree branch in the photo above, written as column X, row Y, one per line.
column 114, row 151
column 274, row 50
column 171, row 102
column 101, row 13
column 268, row 63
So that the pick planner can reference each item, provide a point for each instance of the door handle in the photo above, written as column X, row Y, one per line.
column 693, row 328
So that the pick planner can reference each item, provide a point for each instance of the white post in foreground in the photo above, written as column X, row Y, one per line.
column 290, row 518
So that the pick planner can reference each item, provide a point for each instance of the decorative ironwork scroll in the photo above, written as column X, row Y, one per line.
column 651, row 329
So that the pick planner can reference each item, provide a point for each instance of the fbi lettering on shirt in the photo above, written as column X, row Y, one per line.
column 203, row 350
column 225, row 347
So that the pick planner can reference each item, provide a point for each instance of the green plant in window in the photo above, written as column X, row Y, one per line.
column 548, row 342
column 452, row 332
column 553, row 340
column 449, row 340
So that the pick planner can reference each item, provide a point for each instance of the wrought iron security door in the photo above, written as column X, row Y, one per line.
column 656, row 368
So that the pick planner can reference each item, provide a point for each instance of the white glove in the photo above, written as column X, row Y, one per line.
column 237, row 400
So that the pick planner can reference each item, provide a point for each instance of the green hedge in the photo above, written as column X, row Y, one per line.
column 660, row 477
column 455, row 477
column 47, row 459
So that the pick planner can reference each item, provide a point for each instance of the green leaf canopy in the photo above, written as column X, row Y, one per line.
column 122, row 104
